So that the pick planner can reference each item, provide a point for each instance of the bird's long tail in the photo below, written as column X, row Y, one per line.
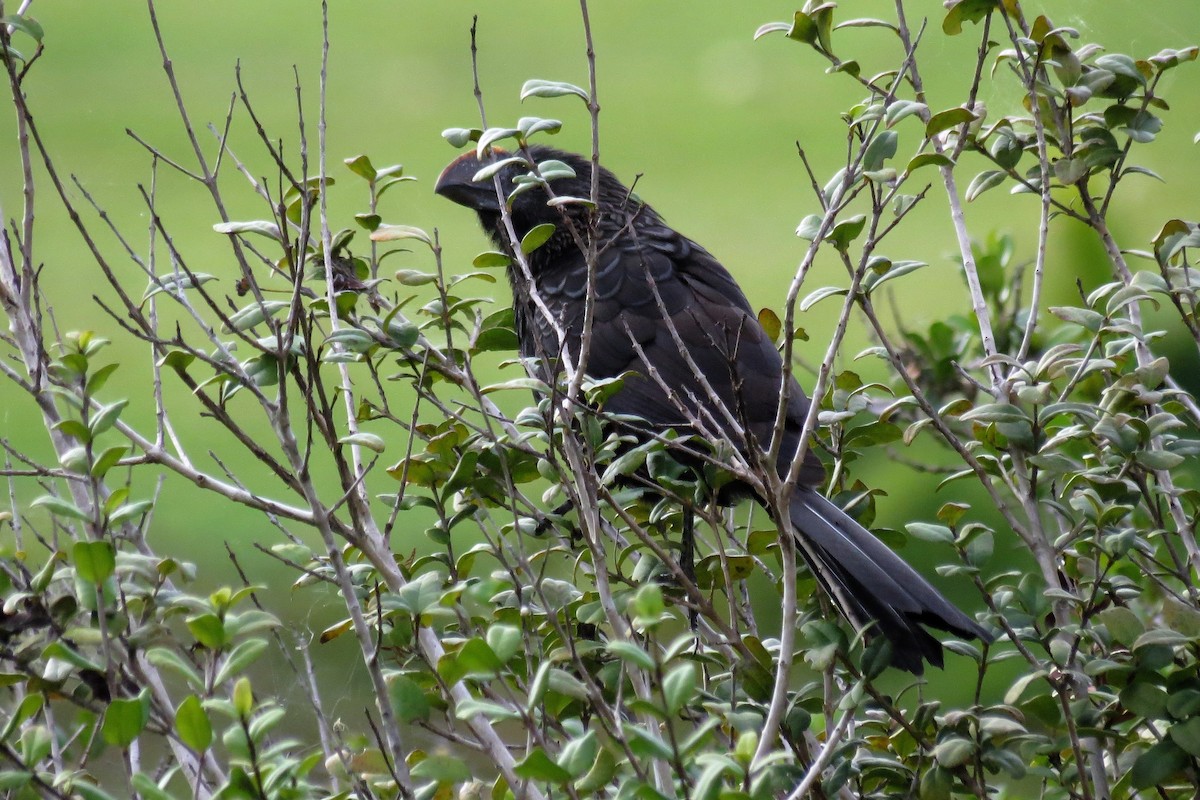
column 874, row 587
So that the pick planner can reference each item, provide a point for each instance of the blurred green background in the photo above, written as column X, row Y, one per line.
column 708, row 117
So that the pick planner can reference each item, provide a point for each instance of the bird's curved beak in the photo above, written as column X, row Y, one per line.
column 457, row 183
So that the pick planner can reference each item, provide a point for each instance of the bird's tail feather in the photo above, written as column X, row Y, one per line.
column 874, row 587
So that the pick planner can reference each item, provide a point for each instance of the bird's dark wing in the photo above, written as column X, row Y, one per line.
column 667, row 311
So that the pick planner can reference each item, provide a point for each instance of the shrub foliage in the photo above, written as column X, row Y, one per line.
column 545, row 640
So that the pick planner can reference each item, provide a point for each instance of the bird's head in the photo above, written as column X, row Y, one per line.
column 467, row 180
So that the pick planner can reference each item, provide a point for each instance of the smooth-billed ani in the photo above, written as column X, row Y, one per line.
column 699, row 361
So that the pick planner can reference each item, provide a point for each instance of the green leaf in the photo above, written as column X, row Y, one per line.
column 1168, row 58
column 35, row 743
column 537, row 766
column 630, row 653
column 809, row 227
column 384, row 185
column 89, row 791
column 99, row 378
column 929, row 159
column 988, row 179
column 25, row 24
column 490, row 259
column 899, row 109
column 368, row 221
column 361, row 165
column 491, row 136
column 1070, row 170
column 950, row 118
column 1084, row 317
column 930, row 532
column 145, row 786
column 679, row 686
column 1158, row 459
column 94, row 561
column 771, row 323
column 773, row 27
column 208, row 630
column 1187, row 735
column 647, row 744
column 1181, row 617
column 811, row 26
column 1145, row 699
column 242, row 656
column 870, row 435
column 1143, row 127
column 881, row 148
column 965, row 11
column 820, row 294
column 537, row 236
column 579, row 755
column 59, row 507
column 822, row 17
column 564, row 683
column 442, row 769
column 107, row 460
column 1158, row 764
column 163, row 658
column 897, row 269
column 106, row 416
column 486, row 173
column 473, row 659
column 1183, row 703
column 125, row 719
column 647, row 605
column 541, row 88
column 402, row 333
column 553, row 169
column 866, row 22
column 531, row 125
column 951, row 513
column 177, row 360
column 1123, row 65
column 846, row 231
column 243, row 698
column 1006, row 148
column 364, row 439
column 62, row 652
column 624, row 465
column 505, row 641
column 460, row 137
column 600, row 774
column 408, row 699
column 30, row 705
column 261, row 227
column 394, row 233
column 255, row 314
column 192, row 724
column 174, row 284
column 1160, row 636
column 75, row 429
column 979, row 548
column 127, row 511
column 954, row 752
column 936, row 784
column 419, row 595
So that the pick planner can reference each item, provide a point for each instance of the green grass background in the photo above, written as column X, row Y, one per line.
column 708, row 117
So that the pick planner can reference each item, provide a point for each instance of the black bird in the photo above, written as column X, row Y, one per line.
column 667, row 311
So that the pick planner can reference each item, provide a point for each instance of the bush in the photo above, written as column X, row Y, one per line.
column 549, row 638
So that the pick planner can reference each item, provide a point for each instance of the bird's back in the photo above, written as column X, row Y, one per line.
column 671, row 314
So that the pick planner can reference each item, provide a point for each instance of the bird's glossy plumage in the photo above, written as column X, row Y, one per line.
column 669, row 313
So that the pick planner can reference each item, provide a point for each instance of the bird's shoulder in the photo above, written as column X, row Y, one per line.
column 644, row 265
